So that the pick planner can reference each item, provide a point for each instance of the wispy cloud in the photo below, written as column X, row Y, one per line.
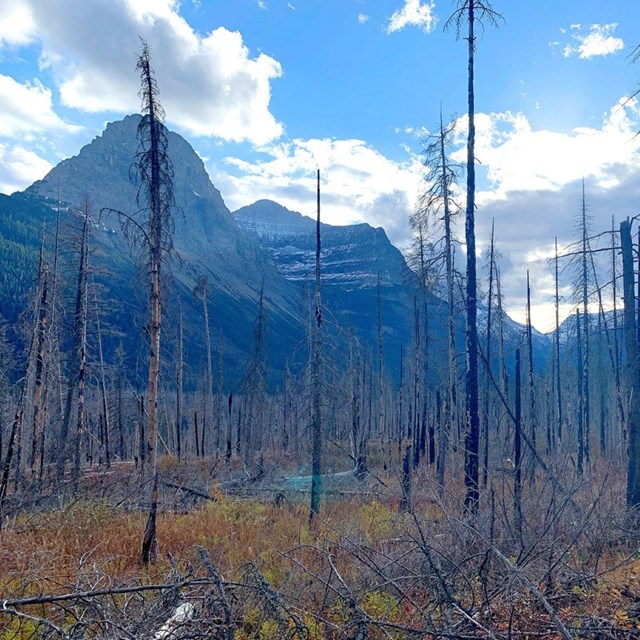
column 414, row 13
column 599, row 41
column 363, row 18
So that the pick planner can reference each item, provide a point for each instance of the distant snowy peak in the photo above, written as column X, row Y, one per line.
column 353, row 256
column 270, row 220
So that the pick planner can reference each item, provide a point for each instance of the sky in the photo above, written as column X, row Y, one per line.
column 267, row 91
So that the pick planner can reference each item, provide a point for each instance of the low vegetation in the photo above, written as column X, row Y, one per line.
column 363, row 569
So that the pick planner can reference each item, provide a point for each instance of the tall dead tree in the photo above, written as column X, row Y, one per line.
column 361, row 462
column 81, row 412
column 487, row 355
column 532, row 389
column 584, row 268
column 579, row 373
column 179, row 382
column 254, row 384
column 616, row 338
column 434, row 217
column 105, row 416
column 517, row 449
column 151, row 230
column 39, row 410
column 50, row 380
column 316, row 365
column 201, row 291
column 632, row 366
column 155, row 197
column 470, row 12
column 78, row 350
column 558, row 380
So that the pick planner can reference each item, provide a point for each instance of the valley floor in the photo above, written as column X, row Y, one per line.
column 248, row 565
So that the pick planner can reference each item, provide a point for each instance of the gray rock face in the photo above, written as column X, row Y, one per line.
column 353, row 258
column 104, row 172
column 207, row 239
column 263, row 242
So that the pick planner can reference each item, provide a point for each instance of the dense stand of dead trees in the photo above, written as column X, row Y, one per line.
column 91, row 415
column 353, row 409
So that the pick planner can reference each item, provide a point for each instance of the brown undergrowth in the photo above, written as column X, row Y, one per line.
column 571, row 568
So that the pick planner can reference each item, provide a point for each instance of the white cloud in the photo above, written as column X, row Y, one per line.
column 359, row 183
column 209, row 84
column 414, row 13
column 529, row 182
column 363, row 18
column 20, row 167
column 17, row 26
column 600, row 41
column 533, row 190
column 518, row 158
column 27, row 109
column 261, row 4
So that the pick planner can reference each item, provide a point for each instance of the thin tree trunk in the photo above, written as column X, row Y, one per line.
column 179, row 383
column 580, row 376
column 229, row 427
column 472, row 494
column 405, row 500
column 517, row 449
column 559, row 416
column 616, row 339
column 451, row 330
column 632, row 367
column 532, row 390
column 103, row 386
column 485, row 412
column 586, row 333
column 76, row 353
column 38, row 392
column 316, row 424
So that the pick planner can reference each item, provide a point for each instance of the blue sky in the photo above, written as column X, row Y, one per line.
column 266, row 90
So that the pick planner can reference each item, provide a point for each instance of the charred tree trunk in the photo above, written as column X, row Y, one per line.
column 155, row 196
column 39, row 410
column 586, row 436
column 517, row 449
column 580, row 375
column 558, row 377
column 179, row 385
column 103, row 388
column 485, row 412
column 77, row 352
column 316, row 419
column 632, row 367
column 472, row 434
column 81, row 412
column 532, row 389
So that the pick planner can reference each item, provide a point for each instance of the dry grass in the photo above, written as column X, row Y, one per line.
column 378, row 553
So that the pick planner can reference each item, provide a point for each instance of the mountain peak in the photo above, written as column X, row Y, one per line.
column 102, row 171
